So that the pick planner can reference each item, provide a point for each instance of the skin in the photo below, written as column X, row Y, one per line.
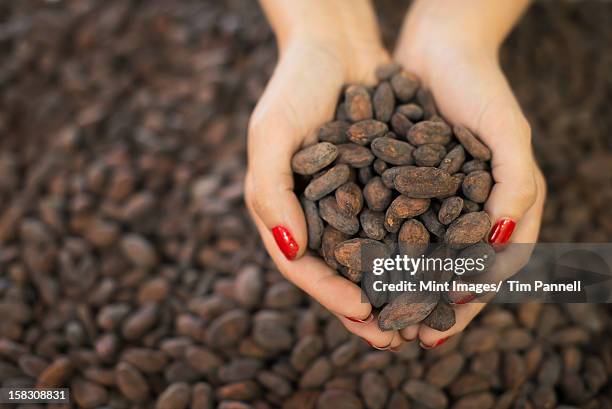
column 453, row 47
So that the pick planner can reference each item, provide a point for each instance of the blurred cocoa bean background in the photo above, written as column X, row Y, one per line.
column 130, row 272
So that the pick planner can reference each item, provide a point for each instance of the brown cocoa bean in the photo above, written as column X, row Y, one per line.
column 471, row 144
column 314, row 158
column 481, row 400
column 365, row 174
column 384, row 102
column 467, row 229
column 327, row 182
column 454, row 160
column 400, row 124
column 430, row 154
column 349, row 198
column 389, row 174
column 131, row 383
column 317, row 374
column 444, row 371
column 331, row 238
column 402, row 208
column 87, row 394
column 386, row 71
column 425, row 394
column 377, row 195
column 380, row 166
column 442, row 318
column 451, row 209
column 393, row 151
column 334, row 132
column 227, row 329
column 433, row 225
column 354, row 155
column 426, row 100
column 406, row 309
column 364, row 132
column 374, row 389
column 477, row 186
column 411, row 111
column 338, row 398
column 423, row 182
column 332, row 214
column 373, row 224
column 474, row 165
column 359, row 254
column 469, row 206
column 480, row 251
column 429, row 132
column 405, row 85
column 314, row 225
column 56, row 374
column 357, row 103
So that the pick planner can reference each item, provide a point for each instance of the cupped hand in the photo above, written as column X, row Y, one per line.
column 302, row 95
column 471, row 90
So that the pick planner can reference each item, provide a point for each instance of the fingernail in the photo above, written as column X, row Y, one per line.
column 501, row 231
column 285, row 242
column 360, row 321
column 436, row 344
column 396, row 349
column 464, row 299
column 375, row 347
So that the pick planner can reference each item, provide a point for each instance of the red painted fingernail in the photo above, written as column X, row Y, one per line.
column 285, row 241
column 436, row 344
column 465, row 299
column 360, row 321
column 501, row 231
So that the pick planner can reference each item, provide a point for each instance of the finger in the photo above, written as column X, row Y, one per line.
column 410, row 333
column 464, row 314
column 372, row 334
column 313, row 276
column 507, row 133
column 277, row 129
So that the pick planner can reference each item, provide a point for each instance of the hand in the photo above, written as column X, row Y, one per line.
column 470, row 90
column 301, row 96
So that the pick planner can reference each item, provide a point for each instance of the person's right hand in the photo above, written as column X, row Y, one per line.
column 300, row 97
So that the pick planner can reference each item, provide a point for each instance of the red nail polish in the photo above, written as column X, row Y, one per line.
column 436, row 344
column 501, row 231
column 466, row 299
column 285, row 241
column 360, row 321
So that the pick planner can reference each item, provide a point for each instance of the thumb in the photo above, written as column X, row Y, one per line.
column 508, row 135
column 295, row 103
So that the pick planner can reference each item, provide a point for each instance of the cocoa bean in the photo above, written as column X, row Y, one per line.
column 380, row 166
column 474, row 147
column 430, row 154
column 454, row 160
column 474, row 165
column 389, row 174
column 451, row 209
column 373, row 224
column 423, row 182
column 477, row 186
column 359, row 254
column 386, row 71
column 336, row 217
column 426, row 132
column 314, row 158
column 400, row 124
column 403, row 207
column 466, row 230
column 374, row 389
column 349, row 199
column 384, row 102
column 333, row 132
column 364, row 132
column 354, row 155
column 433, row 225
column 331, row 238
column 425, row 394
column 131, row 383
column 406, row 309
column 357, row 103
column 427, row 102
column 327, row 182
column 442, row 318
column 377, row 195
column 405, row 85
column 393, row 151
column 411, row 111
column 443, row 372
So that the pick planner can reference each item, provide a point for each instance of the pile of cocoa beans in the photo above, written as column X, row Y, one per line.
column 390, row 175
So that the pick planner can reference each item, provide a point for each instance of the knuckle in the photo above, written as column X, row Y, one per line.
column 526, row 192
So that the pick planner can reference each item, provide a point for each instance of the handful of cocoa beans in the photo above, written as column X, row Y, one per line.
column 390, row 175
